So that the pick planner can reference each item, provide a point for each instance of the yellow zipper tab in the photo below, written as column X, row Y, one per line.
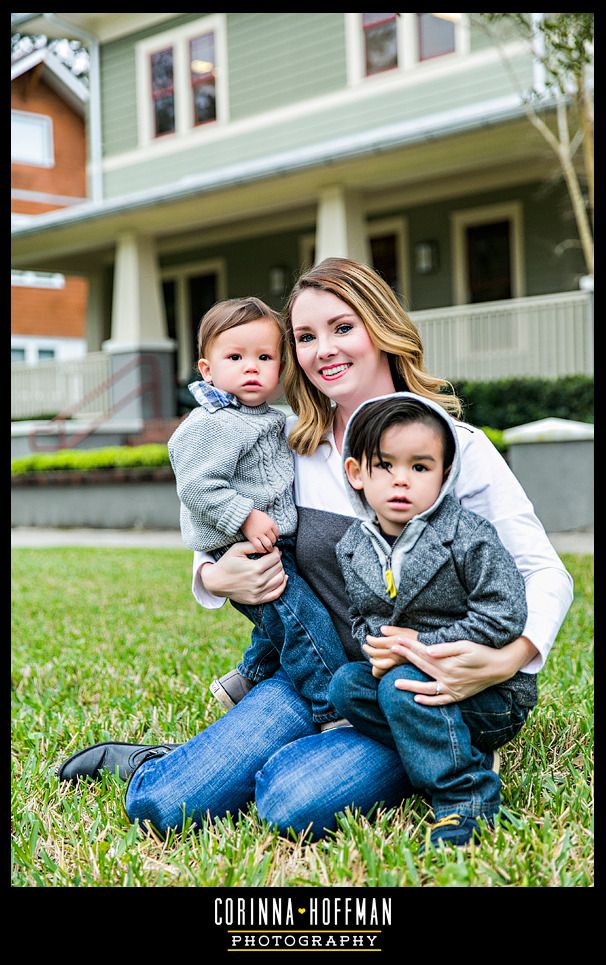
column 391, row 586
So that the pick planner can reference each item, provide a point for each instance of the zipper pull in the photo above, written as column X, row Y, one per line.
column 391, row 586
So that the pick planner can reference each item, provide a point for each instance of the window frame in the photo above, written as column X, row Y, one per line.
column 460, row 220
column 47, row 126
column 407, row 45
column 179, row 40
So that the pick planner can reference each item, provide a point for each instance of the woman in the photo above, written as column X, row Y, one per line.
column 349, row 340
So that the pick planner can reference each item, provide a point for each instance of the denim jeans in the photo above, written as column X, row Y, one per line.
column 267, row 749
column 446, row 750
column 297, row 632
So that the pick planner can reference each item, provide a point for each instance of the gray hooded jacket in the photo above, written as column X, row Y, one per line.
column 455, row 580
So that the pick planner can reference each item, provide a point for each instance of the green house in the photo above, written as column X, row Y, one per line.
column 227, row 151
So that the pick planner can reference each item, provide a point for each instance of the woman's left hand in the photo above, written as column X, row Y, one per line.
column 462, row 668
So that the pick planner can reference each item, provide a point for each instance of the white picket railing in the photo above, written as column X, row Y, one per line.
column 52, row 387
column 544, row 336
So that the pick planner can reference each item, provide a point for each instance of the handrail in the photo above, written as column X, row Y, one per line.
column 139, row 361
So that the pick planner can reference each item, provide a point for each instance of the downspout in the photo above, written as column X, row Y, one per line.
column 96, row 180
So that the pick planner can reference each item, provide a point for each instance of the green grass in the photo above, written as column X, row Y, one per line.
column 110, row 644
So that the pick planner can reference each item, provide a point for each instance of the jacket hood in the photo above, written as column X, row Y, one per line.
column 415, row 526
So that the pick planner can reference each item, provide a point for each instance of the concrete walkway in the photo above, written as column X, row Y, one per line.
column 572, row 542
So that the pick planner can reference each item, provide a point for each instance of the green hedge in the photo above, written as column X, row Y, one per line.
column 512, row 402
column 153, row 454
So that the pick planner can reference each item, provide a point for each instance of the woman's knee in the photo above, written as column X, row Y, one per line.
column 283, row 801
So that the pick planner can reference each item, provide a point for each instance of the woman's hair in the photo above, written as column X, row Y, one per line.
column 231, row 313
column 389, row 328
column 366, row 428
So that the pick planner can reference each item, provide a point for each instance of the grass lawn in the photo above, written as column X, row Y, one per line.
column 110, row 645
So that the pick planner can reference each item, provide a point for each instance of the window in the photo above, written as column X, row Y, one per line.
column 202, row 68
column 32, row 139
column 37, row 279
column 380, row 42
column 44, row 354
column 488, row 256
column 163, row 91
column 436, row 35
column 181, row 79
column 389, row 44
column 17, row 355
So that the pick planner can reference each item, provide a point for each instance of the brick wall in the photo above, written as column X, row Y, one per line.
column 41, row 311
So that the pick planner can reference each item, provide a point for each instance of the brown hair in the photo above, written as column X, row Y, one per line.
column 231, row 313
column 389, row 327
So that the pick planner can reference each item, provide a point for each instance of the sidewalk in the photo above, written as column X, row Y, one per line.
column 26, row 536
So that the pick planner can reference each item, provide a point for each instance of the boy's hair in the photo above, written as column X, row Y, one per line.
column 231, row 313
column 367, row 427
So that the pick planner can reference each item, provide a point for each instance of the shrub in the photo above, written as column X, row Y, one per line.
column 511, row 402
column 153, row 454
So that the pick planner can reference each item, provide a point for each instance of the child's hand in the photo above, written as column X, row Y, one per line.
column 381, row 656
column 260, row 530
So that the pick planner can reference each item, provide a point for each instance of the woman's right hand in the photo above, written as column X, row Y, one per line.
column 244, row 580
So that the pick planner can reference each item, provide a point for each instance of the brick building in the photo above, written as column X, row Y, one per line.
column 48, row 172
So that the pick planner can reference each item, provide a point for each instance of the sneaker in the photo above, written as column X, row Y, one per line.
column 454, row 829
column 496, row 762
column 333, row 724
column 231, row 688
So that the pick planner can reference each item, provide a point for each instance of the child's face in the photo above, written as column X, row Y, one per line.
column 245, row 361
column 408, row 479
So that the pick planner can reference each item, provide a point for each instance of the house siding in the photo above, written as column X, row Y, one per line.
column 264, row 75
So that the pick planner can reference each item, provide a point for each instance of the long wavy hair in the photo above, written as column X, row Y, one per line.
column 389, row 328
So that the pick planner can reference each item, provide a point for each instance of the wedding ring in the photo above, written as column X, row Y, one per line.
column 438, row 688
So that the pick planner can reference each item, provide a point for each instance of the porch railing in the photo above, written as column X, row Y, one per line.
column 544, row 336
column 50, row 387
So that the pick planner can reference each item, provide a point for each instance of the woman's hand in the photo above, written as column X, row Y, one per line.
column 380, row 652
column 462, row 668
column 244, row 580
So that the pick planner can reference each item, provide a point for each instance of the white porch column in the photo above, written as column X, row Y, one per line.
column 138, row 312
column 341, row 226
column 142, row 354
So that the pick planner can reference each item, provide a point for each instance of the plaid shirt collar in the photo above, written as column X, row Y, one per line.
column 211, row 398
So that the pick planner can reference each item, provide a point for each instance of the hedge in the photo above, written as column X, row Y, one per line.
column 152, row 454
column 512, row 402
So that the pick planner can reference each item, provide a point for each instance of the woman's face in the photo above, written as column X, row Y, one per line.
column 335, row 351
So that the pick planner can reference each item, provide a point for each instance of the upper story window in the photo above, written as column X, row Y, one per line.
column 203, row 78
column 380, row 43
column 163, row 91
column 436, row 34
column 182, row 79
column 32, row 139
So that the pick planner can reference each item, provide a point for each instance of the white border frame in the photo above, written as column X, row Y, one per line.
column 180, row 275
column 179, row 39
column 511, row 211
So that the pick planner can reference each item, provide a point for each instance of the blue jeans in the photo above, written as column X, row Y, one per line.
column 446, row 751
column 297, row 632
column 267, row 749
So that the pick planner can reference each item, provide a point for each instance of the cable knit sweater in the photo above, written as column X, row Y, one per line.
column 227, row 463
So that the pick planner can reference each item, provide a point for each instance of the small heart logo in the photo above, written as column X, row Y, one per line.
column 301, row 911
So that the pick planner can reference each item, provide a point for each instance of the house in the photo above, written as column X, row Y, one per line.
column 228, row 151
column 48, row 173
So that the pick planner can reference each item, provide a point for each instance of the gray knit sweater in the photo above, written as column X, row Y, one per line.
column 227, row 463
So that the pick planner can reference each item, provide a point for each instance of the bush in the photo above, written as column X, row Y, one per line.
column 512, row 402
column 108, row 458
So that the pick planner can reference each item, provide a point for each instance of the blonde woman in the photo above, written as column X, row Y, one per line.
column 349, row 340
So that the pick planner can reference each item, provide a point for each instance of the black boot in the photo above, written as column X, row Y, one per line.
column 106, row 757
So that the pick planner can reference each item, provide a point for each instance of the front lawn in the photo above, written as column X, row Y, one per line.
column 109, row 644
